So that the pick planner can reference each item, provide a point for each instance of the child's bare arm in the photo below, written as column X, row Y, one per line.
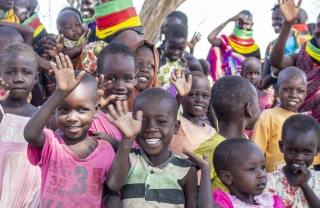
column 190, row 188
column 73, row 52
column 205, row 199
column 305, row 175
column 76, row 50
column 101, row 135
column 212, row 38
column 130, row 128
column 290, row 13
column 25, row 30
column 179, row 81
column 66, row 82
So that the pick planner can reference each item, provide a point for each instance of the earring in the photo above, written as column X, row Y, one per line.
column 28, row 15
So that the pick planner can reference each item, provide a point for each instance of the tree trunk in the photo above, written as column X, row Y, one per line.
column 153, row 13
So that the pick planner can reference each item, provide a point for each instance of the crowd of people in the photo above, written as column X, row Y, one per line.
column 96, row 116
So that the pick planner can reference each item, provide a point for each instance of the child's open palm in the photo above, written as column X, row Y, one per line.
column 200, row 162
column 119, row 116
column 4, row 92
column 289, row 10
column 101, row 90
column 179, row 81
column 64, row 73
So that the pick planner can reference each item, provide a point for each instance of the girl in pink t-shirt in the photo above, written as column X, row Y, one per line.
column 240, row 165
column 74, row 165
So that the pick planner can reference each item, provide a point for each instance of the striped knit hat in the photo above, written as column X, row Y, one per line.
column 114, row 16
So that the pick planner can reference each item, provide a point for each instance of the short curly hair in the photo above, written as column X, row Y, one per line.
column 114, row 49
column 176, row 31
column 20, row 48
column 301, row 123
column 226, row 153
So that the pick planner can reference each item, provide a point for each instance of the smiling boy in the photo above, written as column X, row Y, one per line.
column 291, row 89
column 152, row 176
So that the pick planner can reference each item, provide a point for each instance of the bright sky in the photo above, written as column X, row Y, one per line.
column 205, row 16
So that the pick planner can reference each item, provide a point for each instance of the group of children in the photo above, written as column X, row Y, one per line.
column 133, row 128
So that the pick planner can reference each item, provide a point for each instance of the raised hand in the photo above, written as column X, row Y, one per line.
column 195, row 39
column 54, row 46
column 4, row 92
column 119, row 116
column 101, row 89
column 289, row 10
column 64, row 73
column 201, row 163
column 238, row 17
column 179, row 81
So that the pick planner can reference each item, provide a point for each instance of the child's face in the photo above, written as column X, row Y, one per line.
column 18, row 70
column 6, row 4
column 145, row 67
column 71, row 26
column 21, row 10
column 292, row 92
column 75, row 114
column 299, row 148
column 197, row 101
column 120, row 70
column 249, row 175
column 252, row 72
column 277, row 20
column 174, row 48
column 158, row 127
column 87, row 8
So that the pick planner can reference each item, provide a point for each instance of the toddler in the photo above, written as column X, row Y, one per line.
column 244, row 175
column 174, row 46
column 69, row 24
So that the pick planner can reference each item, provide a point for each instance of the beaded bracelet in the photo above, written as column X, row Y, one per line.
column 223, row 25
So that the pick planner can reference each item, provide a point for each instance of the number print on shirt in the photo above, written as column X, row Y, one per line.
column 82, row 171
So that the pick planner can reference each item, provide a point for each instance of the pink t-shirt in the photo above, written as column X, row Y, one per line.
column 102, row 124
column 264, row 200
column 67, row 180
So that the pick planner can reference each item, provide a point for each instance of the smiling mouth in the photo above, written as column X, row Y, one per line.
column 297, row 165
column 73, row 127
column 120, row 96
column 198, row 107
column 292, row 103
column 143, row 79
column 152, row 141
